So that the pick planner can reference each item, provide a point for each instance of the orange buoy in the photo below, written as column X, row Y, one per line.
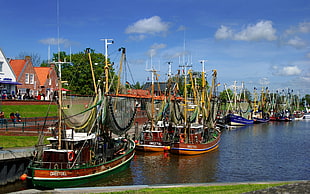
column 23, row 177
column 166, row 148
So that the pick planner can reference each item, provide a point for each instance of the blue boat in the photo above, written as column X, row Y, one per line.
column 260, row 120
column 237, row 120
column 260, row 117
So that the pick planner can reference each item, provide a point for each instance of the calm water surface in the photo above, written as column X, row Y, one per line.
column 276, row 151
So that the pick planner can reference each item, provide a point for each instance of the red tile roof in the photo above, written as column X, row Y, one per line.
column 17, row 66
column 42, row 73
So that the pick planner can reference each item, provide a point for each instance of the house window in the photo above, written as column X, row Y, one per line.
column 31, row 78
column 27, row 78
column 1, row 66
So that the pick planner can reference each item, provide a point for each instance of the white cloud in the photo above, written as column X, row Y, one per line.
column 262, row 30
column 150, row 25
column 56, row 41
column 153, row 50
column 264, row 81
column 287, row 70
column 181, row 28
column 301, row 28
column 223, row 33
column 297, row 43
column 138, row 37
column 304, row 27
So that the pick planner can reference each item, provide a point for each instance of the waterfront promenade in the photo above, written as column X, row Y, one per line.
column 293, row 187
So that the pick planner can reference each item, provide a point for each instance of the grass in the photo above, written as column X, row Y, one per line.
column 230, row 189
column 25, row 111
column 30, row 110
column 19, row 141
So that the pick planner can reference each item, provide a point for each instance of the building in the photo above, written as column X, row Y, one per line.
column 8, row 81
column 26, row 75
column 48, row 82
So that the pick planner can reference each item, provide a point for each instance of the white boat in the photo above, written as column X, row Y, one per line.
column 306, row 116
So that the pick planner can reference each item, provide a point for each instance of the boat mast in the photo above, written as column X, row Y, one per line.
column 59, row 63
column 92, row 70
column 203, row 85
column 235, row 96
column 153, row 71
column 106, row 67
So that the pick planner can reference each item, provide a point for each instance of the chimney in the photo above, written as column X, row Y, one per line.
column 27, row 58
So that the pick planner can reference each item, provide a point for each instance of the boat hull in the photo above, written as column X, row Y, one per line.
column 152, row 148
column 260, row 120
column 237, row 120
column 195, row 149
column 306, row 116
column 61, row 178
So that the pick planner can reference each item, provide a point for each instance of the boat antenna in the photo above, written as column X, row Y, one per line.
column 169, row 69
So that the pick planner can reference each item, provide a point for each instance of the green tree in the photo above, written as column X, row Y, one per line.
column 78, row 74
column 136, row 85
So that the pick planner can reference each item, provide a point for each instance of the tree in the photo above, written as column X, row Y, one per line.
column 136, row 85
column 35, row 58
column 78, row 74
column 226, row 95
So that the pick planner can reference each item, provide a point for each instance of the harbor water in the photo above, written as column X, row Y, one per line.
column 274, row 151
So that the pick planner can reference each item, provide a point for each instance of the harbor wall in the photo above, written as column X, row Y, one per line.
column 13, row 163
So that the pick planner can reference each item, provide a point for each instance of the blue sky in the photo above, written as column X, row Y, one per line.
column 261, row 43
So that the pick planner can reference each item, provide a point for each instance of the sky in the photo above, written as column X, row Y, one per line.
column 262, row 43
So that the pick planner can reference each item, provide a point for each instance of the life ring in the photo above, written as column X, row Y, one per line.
column 70, row 156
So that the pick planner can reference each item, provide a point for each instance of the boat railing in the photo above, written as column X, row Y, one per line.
column 58, row 165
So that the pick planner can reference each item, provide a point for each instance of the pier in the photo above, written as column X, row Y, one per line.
column 13, row 163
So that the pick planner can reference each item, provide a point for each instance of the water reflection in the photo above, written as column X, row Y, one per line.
column 165, row 168
column 276, row 151
column 273, row 151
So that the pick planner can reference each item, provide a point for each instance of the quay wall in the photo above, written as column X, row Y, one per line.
column 13, row 163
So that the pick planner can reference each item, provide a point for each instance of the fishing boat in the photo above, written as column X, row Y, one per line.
column 237, row 120
column 306, row 116
column 298, row 115
column 285, row 116
column 259, row 115
column 197, row 133
column 152, row 140
column 238, row 113
column 155, row 134
column 87, row 145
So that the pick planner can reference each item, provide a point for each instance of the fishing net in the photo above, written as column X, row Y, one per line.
column 244, row 107
column 79, row 111
column 121, row 112
column 177, row 112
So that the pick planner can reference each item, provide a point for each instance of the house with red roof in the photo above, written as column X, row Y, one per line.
column 26, row 75
column 48, row 81
column 7, row 78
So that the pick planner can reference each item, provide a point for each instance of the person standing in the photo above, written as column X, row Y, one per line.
column 12, row 116
column 17, row 115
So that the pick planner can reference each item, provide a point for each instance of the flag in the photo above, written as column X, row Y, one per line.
column 127, row 83
column 218, row 84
